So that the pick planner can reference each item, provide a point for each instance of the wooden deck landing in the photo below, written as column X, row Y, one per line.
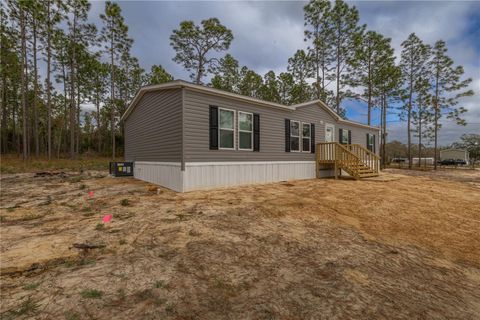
column 354, row 159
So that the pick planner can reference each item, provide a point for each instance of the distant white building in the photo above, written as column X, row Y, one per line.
column 424, row 161
column 455, row 154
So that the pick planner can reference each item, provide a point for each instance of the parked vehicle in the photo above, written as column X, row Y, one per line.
column 452, row 162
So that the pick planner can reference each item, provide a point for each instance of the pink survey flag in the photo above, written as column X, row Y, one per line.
column 90, row 194
column 107, row 218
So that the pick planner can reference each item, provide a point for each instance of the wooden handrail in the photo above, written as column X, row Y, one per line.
column 349, row 156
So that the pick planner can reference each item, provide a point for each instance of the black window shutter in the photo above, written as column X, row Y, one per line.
column 213, row 128
column 312, row 138
column 368, row 141
column 340, row 135
column 287, row 135
column 256, row 132
column 349, row 136
column 374, row 144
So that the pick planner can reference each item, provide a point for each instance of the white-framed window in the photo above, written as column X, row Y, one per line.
column 370, row 142
column 306, row 136
column 226, row 129
column 344, row 137
column 245, row 131
column 294, row 136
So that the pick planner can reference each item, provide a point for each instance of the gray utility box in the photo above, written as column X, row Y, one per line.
column 121, row 169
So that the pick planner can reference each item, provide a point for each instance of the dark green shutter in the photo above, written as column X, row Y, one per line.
column 256, row 132
column 213, row 128
column 287, row 135
column 368, row 141
column 312, row 138
column 340, row 135
column 374, row 144
column 349, row 136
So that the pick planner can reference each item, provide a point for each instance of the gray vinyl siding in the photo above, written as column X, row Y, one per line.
column 359, row 135
column 153, row 131
column 272, row 129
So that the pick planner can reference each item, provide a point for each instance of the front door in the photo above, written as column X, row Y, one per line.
column 329, row 133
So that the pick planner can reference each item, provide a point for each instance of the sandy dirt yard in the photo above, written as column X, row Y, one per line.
column 400, row 246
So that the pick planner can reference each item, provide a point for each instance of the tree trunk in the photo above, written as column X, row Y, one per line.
column 24, row 83
column 97, row 103
column 35, row 89
column 384, row 146
column 338, row 84
column 112, row 94
column 72, row 86
column 437, row 115
column 369, row 93
column 199, row 70
column 409, row 120
column 49, row 84
column 420, row 138
column 78, row 128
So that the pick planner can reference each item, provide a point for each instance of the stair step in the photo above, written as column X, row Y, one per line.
column 368, row 175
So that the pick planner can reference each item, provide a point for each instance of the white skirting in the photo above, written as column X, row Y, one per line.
column 209, row 175
column 166, row 174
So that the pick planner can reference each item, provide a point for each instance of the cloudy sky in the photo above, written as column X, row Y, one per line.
column 267, row 33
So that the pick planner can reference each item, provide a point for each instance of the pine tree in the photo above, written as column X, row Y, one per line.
column 371, row 50
column 386, row 90
column 193, row 44
column 53, row 16
column 270, row 88
column 448, row 88
column 344, row 30
column 422, row 116
column 157, row 75
column 318, row 30
column 227, row 74
column 250, row 83
column 286, row 85
column 301, row 68
column 413, row 63
column 114, row 37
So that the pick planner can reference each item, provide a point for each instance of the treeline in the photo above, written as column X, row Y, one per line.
column 82, row 65
column 342, row 60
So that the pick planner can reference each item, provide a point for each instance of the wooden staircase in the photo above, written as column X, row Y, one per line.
column 354, row 159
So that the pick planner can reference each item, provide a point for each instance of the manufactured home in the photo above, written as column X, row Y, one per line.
column 458, row 155
column 188, row 137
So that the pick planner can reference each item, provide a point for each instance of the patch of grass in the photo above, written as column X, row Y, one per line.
column 169, row 307
column 31, row 286
column 71, row 315
column 11, row 209
column 160, row 284
column 122, row 242
column 121, row 295
column 159, row 301
column 82, row 186
column 27, row 307
column 100, row 226
column 3, row 219
column 125, row 202
column 91, row 294
column 12, row 163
